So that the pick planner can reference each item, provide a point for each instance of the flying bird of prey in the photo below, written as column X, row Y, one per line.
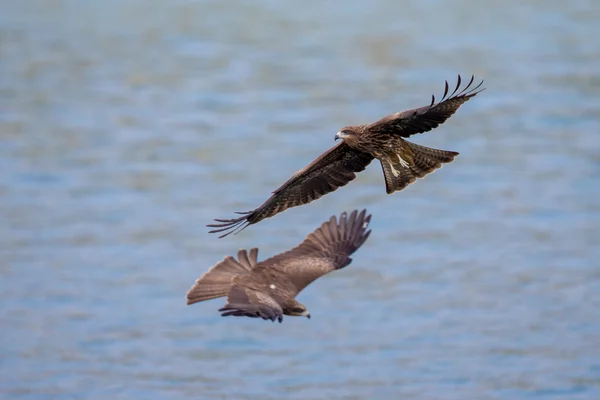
column 402, row 161
column 267, row 289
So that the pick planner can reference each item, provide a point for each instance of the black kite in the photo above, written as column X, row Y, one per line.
column 267, row 289
column 402, row 161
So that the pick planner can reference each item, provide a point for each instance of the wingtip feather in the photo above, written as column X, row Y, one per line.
column 466, row 92
column 229, row 226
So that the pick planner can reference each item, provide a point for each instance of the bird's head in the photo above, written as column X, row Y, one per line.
column 346, row 133
column 297, row 310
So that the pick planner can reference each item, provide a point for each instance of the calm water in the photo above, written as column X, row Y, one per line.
column 126, row 126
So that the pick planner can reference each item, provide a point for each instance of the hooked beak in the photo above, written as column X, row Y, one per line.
column 338, row 136
column 305, row 314
column 308, row 315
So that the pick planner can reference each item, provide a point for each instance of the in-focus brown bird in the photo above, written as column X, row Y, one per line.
column 402, row 161
column 268, row 289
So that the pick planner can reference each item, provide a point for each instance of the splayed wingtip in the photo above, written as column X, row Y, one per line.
column 229, row 226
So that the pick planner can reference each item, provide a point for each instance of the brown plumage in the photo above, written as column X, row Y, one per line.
column 402, row 161
column 267, row 289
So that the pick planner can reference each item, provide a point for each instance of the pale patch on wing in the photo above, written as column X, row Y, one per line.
column 402, row 162
column 272, row 286
column 394, row 170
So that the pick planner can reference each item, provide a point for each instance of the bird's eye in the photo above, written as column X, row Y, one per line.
column 298, row 310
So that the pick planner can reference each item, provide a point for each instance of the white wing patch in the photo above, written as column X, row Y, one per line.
column 272, row 286
column 402, row 162
column 394, row 170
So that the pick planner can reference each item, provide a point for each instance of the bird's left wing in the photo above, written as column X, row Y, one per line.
column 326, row 249
column 423, row 119
column 330, row 171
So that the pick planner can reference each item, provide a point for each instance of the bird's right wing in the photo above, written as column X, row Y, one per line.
column 331, row 170
column 245, row 302
column 326, row 249
column 423, row 119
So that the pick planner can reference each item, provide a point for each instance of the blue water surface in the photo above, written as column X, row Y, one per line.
column 126, row 126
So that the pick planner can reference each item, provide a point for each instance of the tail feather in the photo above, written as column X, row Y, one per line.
column 218, row 280
column 421, row 162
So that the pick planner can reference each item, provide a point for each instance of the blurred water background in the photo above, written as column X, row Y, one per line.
column 126, row 126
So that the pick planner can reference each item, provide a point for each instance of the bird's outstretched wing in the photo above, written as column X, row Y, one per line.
column 423, row 119
column 330, row 171
column 326, row 249
column 245, row 302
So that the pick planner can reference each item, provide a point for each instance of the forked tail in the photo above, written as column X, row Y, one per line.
column 418, row 161
column 218, row 280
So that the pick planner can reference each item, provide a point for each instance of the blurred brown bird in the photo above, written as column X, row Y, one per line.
column 402, row 161
column 268, row 289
